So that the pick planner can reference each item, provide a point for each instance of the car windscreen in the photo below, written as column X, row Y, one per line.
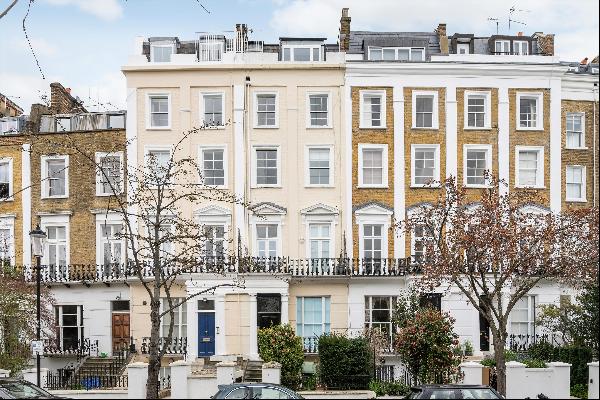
column 23, row 390
column 478, row 394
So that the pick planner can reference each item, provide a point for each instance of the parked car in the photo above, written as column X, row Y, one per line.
column 453, row 392
column 255, row 391
column 11, row 388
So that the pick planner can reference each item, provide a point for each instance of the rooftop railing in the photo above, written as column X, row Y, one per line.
column 211, row 46
column 301, row 268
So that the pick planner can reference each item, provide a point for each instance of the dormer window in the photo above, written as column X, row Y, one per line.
column 521, row 47
column 463, row 48
column 161, row 51
column 301, row 53
column 396, row 53
column 502, row 47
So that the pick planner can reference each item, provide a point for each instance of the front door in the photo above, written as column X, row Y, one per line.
column 120, row 331
column 206, row 334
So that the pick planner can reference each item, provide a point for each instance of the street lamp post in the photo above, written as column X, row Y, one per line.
column 37, row 244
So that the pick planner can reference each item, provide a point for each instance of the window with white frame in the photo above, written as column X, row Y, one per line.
column 372, row 109
column 425, row 113
column 6, row 185
column 379, row 314
column 68, row 321
column 213, row 166
column 267, row 239
column 312, row 319
column 521, row 47
column 301, row 53
column 372, row 164
column 319, row 240
column 502, row 46
column 266, row 110
column 55, row 176
column 213, row 109
column 179, row 318
column 425, row 164
column 159, row 111
column 523, row 316
column 477, row 164
column 319, row 166
column 110, row 174
column 56, row 245
column 575, row 180
column 575, row 131
column 530, row 166
column 161, row 52
column 111, row 243
column 529, row 113
column 372, row 238
column 418, row 241
column 318, row 110
column 396, row 53
column 7, row 244
column 477, row 112
column 267, row 166
column 157, row 160
column 214, row 241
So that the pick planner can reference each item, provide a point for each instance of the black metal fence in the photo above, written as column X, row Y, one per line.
column 522, row 343
column 82, row 348
column 69, row 379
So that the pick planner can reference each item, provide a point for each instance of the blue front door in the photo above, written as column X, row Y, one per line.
column 206, row 334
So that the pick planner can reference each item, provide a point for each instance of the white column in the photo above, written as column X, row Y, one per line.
column 347, row 209
column 516, row 380
column 225, row 372
column 561, row 381
column 555, row 146
column 593, row 383
column 221, row 344
column 399, row 170
column 192, row 327
column 285, row 304
column 271, row 373
column 137, row 377
column 253, row 340
column 504, row 149
column 451, row 133
column 26, row 202
column 180, row 370
column 239, row 157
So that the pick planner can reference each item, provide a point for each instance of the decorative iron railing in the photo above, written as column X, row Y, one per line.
column 177, row 345
column 522, row 343
column 301, row 267
column 70, row 379
column 82, row 348
column 311, row 344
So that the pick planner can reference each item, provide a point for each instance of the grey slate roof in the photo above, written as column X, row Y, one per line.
column 361, row 40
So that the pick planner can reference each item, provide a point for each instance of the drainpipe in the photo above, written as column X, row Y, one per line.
column 595, row 149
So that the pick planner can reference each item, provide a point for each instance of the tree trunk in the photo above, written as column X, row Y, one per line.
column 499, row 343
column 154, row 352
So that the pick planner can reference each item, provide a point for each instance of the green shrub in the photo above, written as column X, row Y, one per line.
column 578, row 357
column 468, row 348
column 345, row 363
column 533, row 363
column 389, row 388
column 279, row 343
column 580, row 391
column 488, row 362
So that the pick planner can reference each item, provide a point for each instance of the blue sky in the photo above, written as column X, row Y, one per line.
column 83, row 43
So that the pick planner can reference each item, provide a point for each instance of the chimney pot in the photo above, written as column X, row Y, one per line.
column 520, row 34
column 68, row 90
column 345, row 11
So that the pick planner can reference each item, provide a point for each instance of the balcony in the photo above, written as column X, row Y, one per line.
column 213, row 46
column 177, row 345
column 301, row 268
column 82, row 348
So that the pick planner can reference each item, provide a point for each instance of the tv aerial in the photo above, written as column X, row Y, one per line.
column 496, row 20
column 513, row 10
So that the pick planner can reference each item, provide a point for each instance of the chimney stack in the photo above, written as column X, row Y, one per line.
column 443, row 38
column 344, row 39
column 545, row 43
column 519, row 33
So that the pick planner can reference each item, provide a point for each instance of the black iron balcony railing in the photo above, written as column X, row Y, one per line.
column 177, row 345
column 302, row 267
column 522, row 343
column 80, row 348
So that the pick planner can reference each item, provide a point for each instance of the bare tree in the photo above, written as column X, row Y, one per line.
column 495, row 250
column 163, row 241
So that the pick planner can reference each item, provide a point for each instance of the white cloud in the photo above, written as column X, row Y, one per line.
column 40, row 45
column 575, row 24
column 108, row 10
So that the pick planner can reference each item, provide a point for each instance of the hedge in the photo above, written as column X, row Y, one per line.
column 345, row 363
column 279, row 343
column 577, row 356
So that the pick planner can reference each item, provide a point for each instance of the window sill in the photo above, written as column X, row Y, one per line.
column 158, row 128
column 415, row 186
column 7, row 199
column 530, row 187
column 476, row 128
column 530, row 129
column 478, row 186
column 319, row 127
column 319, row 186
column 211, row 128
column 362, row 186
column 217, row 187
column 426, row 128
column 372, row 127
column 266, row 127
column 576, row 148
column 108, row 194
column 576, row 200
column 54, row 197
column 266, row 187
